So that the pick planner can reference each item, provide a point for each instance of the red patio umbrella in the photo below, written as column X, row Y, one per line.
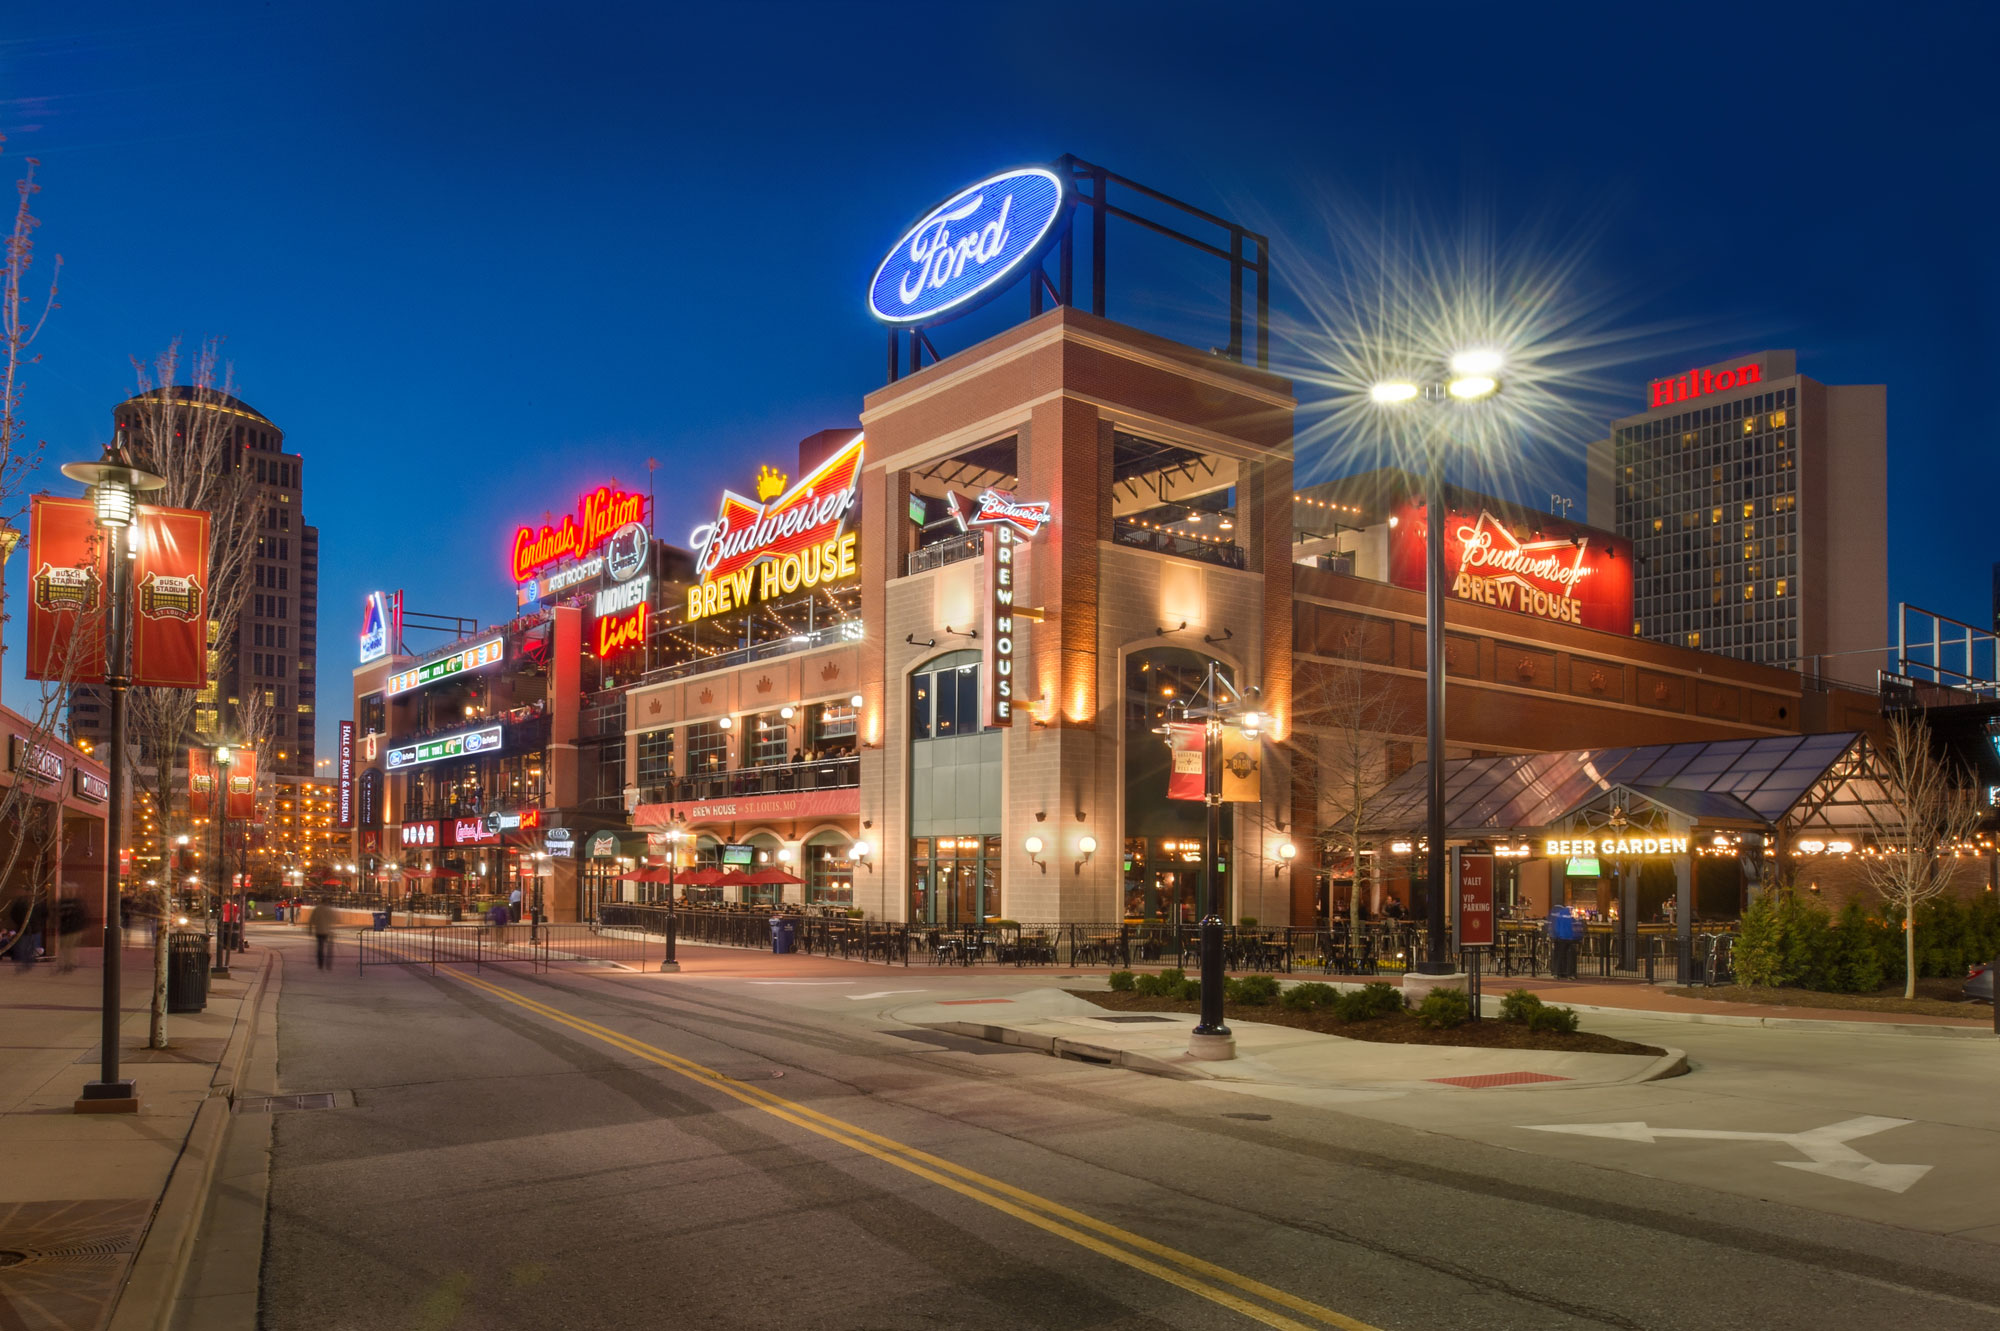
column 769, row 877
column 701, row 877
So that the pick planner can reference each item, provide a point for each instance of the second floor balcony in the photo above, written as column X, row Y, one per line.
column 777, row 778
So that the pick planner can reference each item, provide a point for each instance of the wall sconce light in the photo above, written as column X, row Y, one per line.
column 785, row 712
column 859, row 853
column 724, row 724
column 856, row 701
column 1286, row 854
column 784, row 854
column 1088, row 847
column 1034, row 849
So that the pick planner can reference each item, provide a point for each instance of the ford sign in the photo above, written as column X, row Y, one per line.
column 968, row 247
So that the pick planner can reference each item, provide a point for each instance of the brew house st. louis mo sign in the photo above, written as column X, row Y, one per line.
column 968, row 248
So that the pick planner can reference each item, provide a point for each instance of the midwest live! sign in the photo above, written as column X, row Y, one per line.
column 68, row 594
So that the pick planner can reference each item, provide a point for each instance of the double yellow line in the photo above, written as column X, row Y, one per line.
column 1217, row 1284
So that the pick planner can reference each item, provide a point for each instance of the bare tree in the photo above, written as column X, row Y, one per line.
column 1346, row 713
column 1939, row 812
column 187, row 426
column 19, row 327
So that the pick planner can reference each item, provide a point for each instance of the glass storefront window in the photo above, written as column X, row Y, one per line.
column 708, row 749
column 831, row 727
column 954, row 880
column 656, row 757
column 944, row 698
column 764, row 740
column 829, row 873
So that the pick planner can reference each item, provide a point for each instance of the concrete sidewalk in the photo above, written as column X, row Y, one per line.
column 105, row 1206
column 1269, row 1057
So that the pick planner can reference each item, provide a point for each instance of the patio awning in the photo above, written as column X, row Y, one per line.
column 1829, row 782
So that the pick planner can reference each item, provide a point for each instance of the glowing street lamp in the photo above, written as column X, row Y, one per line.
column 115, row 485
column 1473, row 377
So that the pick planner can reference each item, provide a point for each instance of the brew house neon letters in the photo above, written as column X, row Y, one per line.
column 754, row 551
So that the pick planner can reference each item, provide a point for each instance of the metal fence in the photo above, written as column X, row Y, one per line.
column 535, row 947
column 1375, row 948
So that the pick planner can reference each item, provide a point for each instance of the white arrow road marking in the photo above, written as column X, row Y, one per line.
column 1826, row 1149
column 882, row 993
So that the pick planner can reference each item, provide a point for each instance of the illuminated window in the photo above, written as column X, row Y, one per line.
column 1656, row 524
column 1694, row 639
column 1749, row 510
column 1749, row 593
column 1777, row 419
column 1779, row 590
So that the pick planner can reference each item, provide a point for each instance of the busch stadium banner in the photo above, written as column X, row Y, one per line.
column 65, row 591
column 169, row 600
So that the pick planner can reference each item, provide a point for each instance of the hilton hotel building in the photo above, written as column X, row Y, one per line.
column 1755, row 501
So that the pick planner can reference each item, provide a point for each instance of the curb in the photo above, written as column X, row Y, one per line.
column 152, row 1287
column 1672, row 1063
column 1819, row 1025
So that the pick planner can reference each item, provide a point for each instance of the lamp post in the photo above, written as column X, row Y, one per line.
column 115, row 485
column 223, row 758
column 668, row 962
column 1211, row 1038
column 1473, row 378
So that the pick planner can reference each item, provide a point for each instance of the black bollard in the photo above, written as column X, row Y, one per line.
column 1211, row 979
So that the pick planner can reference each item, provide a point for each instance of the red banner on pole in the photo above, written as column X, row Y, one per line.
column 1475, row 900
column 201, row 783
column 1187, row 778
column 242, row 785
column 66, row 596
column 170, row 598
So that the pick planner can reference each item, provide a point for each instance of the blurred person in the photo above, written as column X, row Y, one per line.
column 323, row 922
column 69, row 927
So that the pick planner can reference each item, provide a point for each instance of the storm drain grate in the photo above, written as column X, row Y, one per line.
column 1487, row 1079
column 1128, row 1020
column 278, row 1104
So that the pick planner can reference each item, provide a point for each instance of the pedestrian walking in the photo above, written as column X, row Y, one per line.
column 69, row 928
column 514, row 905
column 322, row 923
column 26, row 916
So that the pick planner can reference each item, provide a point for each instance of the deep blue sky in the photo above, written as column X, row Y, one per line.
column 472, row 258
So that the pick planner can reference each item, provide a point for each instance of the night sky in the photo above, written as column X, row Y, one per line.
column 473, row 259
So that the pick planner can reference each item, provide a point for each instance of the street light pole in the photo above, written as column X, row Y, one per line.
column 222, row 760
column 115, row 484
column 1473, row 377
column 669, row 962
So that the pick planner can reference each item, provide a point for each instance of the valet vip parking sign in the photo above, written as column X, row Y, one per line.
column 969, row 248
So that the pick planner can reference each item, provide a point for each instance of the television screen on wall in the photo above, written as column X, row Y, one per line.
column 738, row 857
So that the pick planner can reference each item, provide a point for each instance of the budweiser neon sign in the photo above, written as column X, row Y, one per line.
column 996, row 509
column 600, row 516
column 757, row 549
column 1700, row 383
column 1486, row 547
column 1558, row 572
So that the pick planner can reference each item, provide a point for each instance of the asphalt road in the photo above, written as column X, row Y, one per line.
column 716, row 1150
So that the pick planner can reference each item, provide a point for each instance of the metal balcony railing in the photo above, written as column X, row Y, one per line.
column 1173, row 543
column 968, row 546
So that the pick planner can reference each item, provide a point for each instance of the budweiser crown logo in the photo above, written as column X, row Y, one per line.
column 769, row 483
column 764, row 684
column 169, row 597
column 829, row 672
column 59, row 589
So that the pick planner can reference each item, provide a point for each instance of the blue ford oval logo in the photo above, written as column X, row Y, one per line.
column 968, row 247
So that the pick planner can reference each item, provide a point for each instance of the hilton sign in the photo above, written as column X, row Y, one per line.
column 1700, row 383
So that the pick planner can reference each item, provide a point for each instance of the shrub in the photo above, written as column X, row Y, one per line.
column 1247, row 921
column 1445, row 1008
column 1520, row 1006
column 1378, row 999
column 1121, row 981
column 1189, row 991
column 1252, row 990
column 1556, row 1020
column 1310, row 995
column 1166, row 984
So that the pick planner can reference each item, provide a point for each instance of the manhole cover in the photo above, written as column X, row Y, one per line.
column 1128, row 1020
column 275, row 1104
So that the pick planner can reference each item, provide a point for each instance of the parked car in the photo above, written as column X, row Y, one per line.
column 1979, row 981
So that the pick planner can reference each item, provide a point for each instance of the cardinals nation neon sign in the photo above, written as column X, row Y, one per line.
column 779, row 542
column 603, row 513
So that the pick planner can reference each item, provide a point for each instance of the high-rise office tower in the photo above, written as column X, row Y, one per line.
column 1755, row 501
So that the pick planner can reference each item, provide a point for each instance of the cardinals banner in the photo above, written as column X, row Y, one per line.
column 201, row 783
column 169, row 600
column 242, row 785
column 1187, row 778
column 66, row 594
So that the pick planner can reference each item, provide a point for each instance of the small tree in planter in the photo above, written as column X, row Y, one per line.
column 1938, row 812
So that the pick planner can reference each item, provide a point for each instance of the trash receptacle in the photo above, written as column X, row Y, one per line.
column 381, row 920
column 457, row 910
column 232, row 936
column 187, row 971
column 784, row 933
